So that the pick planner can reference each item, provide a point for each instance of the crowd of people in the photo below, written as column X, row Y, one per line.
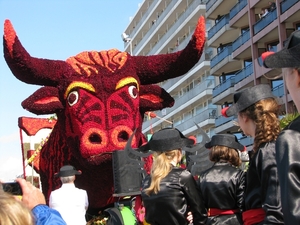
column 267, row 193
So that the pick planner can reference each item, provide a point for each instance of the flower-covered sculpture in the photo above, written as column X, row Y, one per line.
column 99, row 98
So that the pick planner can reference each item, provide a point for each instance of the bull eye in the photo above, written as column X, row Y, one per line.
column 73, row 98
column 133, row 92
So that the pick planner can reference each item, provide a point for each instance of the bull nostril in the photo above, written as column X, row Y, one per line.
column 95, row 138
column 123, row 136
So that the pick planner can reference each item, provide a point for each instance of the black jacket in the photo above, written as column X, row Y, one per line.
column 288, row 161
column 262, row 184
column 222, row 187
column 178, row 195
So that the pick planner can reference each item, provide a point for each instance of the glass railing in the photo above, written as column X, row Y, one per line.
column 173, row 28
column 243, row 73
column 158, row 21
column 195, row 119
column 246, row 141
column 237, row 8
column 222, row 55
column 210, row 3
column 223, row 21
column 265, row 21
column 242, row 39
column 139, row 24
column 278, row 90
column 222, row 120
column 224, row 86
column 285, row 5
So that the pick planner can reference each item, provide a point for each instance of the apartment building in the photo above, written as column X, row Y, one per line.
column 240, row 34
column 165, row 26
column 236, row 37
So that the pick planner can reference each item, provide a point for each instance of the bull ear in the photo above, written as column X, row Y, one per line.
column 153, row 97
column 43, row 101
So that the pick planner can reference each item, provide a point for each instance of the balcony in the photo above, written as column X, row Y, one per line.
column 149, row 34
column 242, row 39
column 265, row 21
column 218, row 26
column 230, row 82
column 202, row 117
column 222, row 55
column 223, row 92
column 246, row 141
column 225, row 124
column 144, row 18
column 218, row 7
column 201, row 92
column 237, row 8
column 278, row 91
column 209, row 4
column 192, row 10
column 202, row 65
column 244, row 73
column 222, row 120
column 285, row 5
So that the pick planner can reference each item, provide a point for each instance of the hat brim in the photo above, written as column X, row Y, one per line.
column 284, row 58
column 249, row 97
column 166, row 145
column 232, row 110
column 67, row 173
column 225, row 142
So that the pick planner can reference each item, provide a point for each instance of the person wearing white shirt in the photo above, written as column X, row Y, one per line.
column 69, row 201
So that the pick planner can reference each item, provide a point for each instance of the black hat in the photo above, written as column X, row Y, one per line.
column 248, row 97
column 289, row 56
column 227, row 140
column 166, row 139
column 66, row 171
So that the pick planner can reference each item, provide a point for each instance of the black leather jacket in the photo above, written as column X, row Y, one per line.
column 223, row 187
column 262, row 184
column 178, row 195
column 288, row 165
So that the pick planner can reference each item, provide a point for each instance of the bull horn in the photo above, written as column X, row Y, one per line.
column 157, row 68
column 26, row 68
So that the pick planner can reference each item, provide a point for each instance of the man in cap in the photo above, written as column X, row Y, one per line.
column 69, row 201
column 288, row 141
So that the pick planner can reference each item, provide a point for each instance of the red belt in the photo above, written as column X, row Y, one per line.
column 216, row 212
column 253, row 216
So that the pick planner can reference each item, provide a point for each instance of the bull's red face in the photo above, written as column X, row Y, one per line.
column 101, row 125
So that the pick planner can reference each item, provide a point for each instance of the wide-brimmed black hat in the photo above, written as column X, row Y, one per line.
column 227, row 140
column 166, row 139
column 248, row 97
column 67, row 171
column 289, row 56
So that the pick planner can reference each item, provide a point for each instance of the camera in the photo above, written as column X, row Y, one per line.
column 12, row 187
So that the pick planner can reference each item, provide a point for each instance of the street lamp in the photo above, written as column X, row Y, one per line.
column 127, row 39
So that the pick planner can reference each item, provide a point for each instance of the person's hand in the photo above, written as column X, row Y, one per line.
column 32, row 196
column 190, row 217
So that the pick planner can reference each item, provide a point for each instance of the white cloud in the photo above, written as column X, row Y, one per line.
column 10, row 168
column 10, row 138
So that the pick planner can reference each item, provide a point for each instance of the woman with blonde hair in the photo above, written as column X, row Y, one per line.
column 223, row 184
column 257, row 112
column 13, row 212
column 170, row 192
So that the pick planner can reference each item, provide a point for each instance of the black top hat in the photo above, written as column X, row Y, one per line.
column 227, row 140
column 248, row 97
column 289, row 56
column 166, row 139
column 66, row 171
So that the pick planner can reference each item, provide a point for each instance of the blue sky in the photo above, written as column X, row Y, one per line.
column 52, row 29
